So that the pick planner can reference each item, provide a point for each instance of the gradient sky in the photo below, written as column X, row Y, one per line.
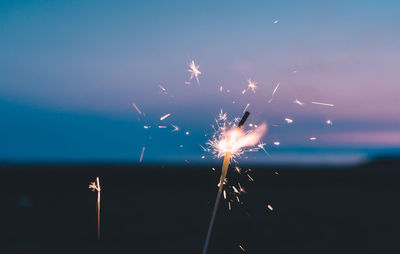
column 70, row 71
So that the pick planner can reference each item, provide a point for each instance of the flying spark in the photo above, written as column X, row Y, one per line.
column 288, row 120
column 270, row 208
column 194, row 71
column 277, row 143
column 247, row 106
column 163, row 89
column 298, row 102
column 322, row 103
column 240, row 246
column 313, row 138
column 137, row 109
column 176, row 128
column 141, row 155
column 273, row 92
column 165, row 116
column 251, row 85
column 329, row 122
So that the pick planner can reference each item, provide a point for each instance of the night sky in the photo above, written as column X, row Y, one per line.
column 71, row 70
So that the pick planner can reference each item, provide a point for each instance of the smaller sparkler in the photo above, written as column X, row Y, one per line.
column 95, row 186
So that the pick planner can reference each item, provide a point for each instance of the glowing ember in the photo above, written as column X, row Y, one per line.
column 194, row 71
column 288, row 120
column 313, row 138
column 329, row 122
column 240, row 246
column 270, row 208
column 277, row 143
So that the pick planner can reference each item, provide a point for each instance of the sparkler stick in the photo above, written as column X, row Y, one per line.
column 225, row 166
column 96, row 186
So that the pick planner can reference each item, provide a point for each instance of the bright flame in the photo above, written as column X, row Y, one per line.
column 230, row 139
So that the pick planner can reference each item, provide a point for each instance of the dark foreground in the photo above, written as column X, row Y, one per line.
column 49, row 209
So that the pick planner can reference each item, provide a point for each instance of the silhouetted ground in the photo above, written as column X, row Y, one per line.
column 49, row 209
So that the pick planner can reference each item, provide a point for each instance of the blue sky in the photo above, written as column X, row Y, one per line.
column 70, row 71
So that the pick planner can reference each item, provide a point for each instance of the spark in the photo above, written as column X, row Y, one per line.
column 313, row 138
column 165, row 116
column 213, row 169
column 329, row 122
column 163, row 89
column 146, row 127
column 95, row 186
column 224, row 194
column 162, row 127
column 187, row 133
column 277, row 143
column 273, row 92
column 251, row 85
column 234, row 189
column 276, row 21
column 237, row 169
column 141, row 155
column 194, row 71
column 244, row 91
column 270, row 208
column 176, row 128
column 262, row 147
column 229, row 205
column 220, row 89
column 240, row 246
column 246, row 107
column 250, row 178
column 288, row 120
column 322, row 103
column 137, row 109
column 298, row 102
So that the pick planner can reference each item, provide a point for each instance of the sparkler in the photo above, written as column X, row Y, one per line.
column 230, row 144
column 96, row 186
